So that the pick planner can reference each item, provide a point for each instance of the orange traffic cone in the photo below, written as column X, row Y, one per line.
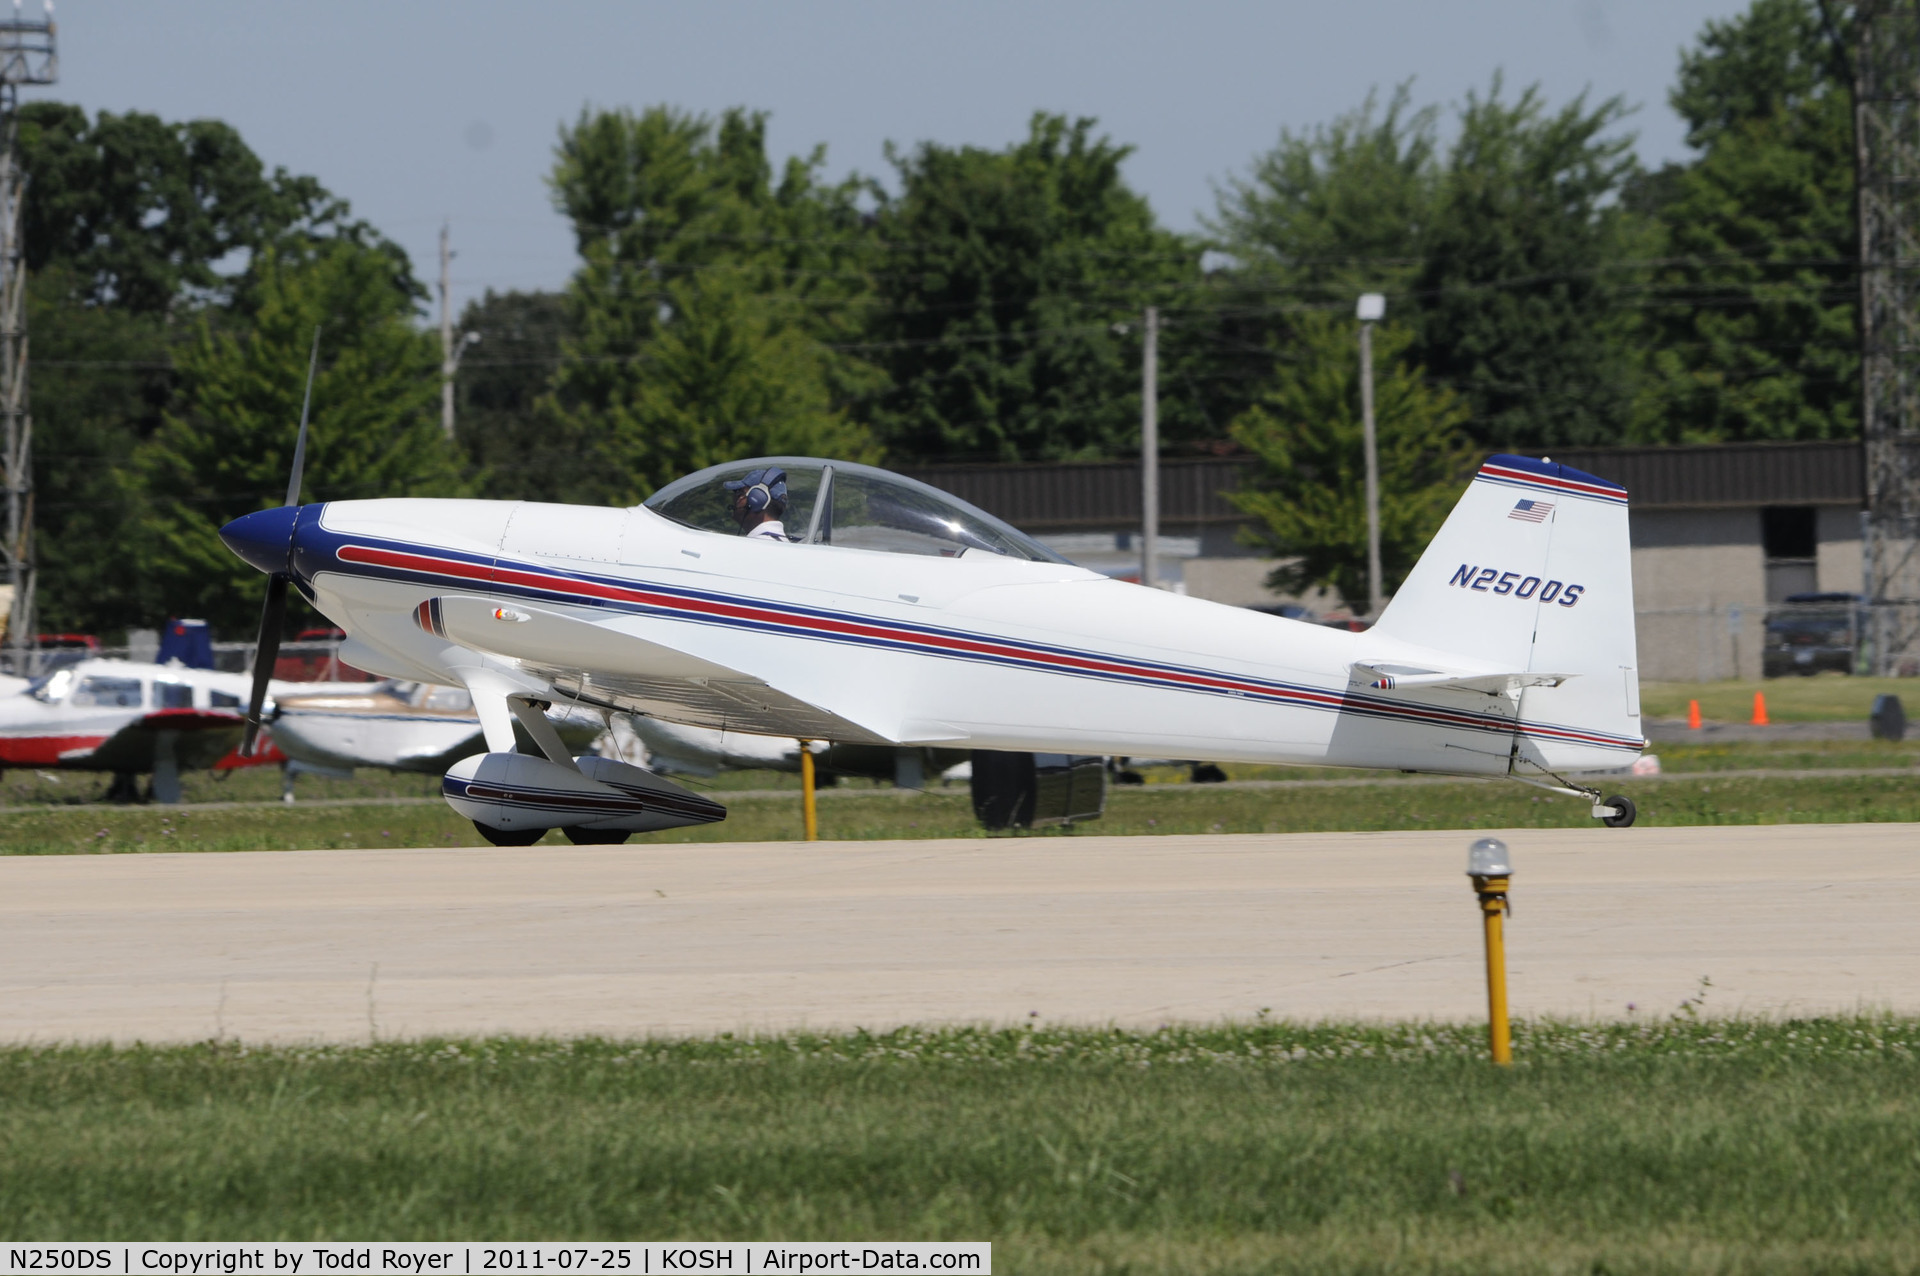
column 1759, row 709
column 1693, row 715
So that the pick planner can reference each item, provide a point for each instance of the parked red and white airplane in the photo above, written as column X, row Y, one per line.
column 127, row 718
column 864, row 607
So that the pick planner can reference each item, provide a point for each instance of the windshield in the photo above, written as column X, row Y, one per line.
column 50, row 687
column 865, row 508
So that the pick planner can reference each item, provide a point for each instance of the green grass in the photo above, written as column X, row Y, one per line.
column 1701, row 798
column 1787, row 755
column 1680, row 1144
column 62, row 814
column 1827, row 697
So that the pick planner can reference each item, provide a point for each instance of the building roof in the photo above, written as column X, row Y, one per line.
column 1100, row 495
column 1721, row 474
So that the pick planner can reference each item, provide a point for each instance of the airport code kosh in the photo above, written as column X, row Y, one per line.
column 423, row 1258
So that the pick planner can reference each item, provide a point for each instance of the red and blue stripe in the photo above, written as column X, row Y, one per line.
column 440, row 568
column 1530, row 475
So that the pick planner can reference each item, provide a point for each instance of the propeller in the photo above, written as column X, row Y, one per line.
column 273, row 616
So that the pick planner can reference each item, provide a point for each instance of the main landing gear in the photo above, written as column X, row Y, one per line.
column 594, row 837
column 509, row 837
column 527, row 837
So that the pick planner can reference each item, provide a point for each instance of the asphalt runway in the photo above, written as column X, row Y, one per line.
column 345, row 945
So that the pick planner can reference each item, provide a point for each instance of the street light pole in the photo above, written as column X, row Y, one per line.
column 448, row 360
column 1150, row 451
column 1373, row 306
column 450, row 350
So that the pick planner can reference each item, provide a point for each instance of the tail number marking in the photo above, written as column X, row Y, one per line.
column 1491, row 580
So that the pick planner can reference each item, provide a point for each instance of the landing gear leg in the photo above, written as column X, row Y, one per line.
column 1615, row 812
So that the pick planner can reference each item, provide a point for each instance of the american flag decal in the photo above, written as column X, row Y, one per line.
column 1531, row 511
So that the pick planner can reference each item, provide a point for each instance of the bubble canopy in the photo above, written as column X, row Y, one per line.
column 864, row 508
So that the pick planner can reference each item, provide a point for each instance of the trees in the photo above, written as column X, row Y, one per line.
column 725, row 379
column 1755, row 338
column 511, row 452
column 226, row 446
column 696, row 269
column 1521, row 278
column 1000, row 277
column 1503, row 250
column 1327, row 215
column 102, row 377
column 145, row 214
column 135, row 227
column 1309, row 493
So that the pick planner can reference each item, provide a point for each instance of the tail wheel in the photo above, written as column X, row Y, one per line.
column 594, row 837
column 1625, row 812
column 509, row 837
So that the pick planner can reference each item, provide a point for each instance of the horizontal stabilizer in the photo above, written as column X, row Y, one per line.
column 1386, row 677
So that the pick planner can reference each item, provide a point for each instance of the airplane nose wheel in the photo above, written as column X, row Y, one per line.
column 1625, row 811
column 509, row 837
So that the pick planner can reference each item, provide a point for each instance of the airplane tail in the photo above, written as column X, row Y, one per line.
column 1532, row 575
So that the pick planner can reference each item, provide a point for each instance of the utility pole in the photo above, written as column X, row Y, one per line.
column 1886, row 129
column 26, row 57
column 449, row 360
column 1150, row 451
column 450, row 350
column 1373, row 307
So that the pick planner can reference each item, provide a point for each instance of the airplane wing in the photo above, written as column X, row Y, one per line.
column 1392, row 677
column 202, row 737
column 600, row 662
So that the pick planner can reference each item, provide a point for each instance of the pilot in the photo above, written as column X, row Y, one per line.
column 759, row 499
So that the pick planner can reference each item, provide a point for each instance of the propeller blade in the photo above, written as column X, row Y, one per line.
column 272, row 617
column 300, row 440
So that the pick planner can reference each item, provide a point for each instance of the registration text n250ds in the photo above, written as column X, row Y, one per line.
column 1491, row 580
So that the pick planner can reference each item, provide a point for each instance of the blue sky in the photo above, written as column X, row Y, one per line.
column 423, row 111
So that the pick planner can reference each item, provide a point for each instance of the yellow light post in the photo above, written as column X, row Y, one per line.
column 808, row 815
column 1488, row 866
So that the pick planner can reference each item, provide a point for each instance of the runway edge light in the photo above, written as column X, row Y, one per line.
column 1490, row 868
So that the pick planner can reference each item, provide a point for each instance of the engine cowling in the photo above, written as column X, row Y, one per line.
column 516, row 791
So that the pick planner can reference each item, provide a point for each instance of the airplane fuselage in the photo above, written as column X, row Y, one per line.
column 972, row 651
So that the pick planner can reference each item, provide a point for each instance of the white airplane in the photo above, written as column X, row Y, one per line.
column 128, row 718
column 863, row 607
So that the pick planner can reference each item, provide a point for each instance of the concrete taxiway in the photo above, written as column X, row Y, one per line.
column 343, row 945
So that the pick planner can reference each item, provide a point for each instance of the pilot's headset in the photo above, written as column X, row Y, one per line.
column 765, row 489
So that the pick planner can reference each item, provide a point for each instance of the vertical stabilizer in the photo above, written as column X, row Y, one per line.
column 1532, row 572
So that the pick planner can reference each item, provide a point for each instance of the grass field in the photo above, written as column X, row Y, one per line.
column 1187, row 809
column 396, row 811
column 1679, row 1144
column 1823, row 698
